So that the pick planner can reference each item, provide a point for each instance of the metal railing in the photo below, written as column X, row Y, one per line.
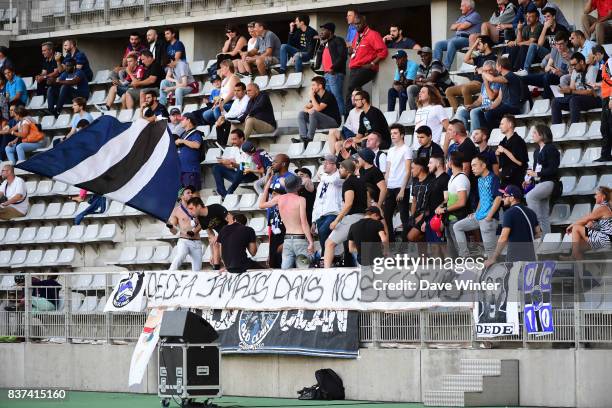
column 73, row 312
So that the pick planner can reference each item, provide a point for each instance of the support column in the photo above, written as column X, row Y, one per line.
column 187, row 36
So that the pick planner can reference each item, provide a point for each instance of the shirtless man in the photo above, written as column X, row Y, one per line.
column 292, row 208
column 189, row 230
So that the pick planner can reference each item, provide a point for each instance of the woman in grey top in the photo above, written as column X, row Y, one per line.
column 500, row 23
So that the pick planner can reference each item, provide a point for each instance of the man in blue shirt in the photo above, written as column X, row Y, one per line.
column 176, row 48
column 80, row 113
column 15, row 87
column 405, row 74
column 71, row 83
column 188, row 148
column 79, row 57
column 468, row 23
column 351, row 32
column 509, row 98
column 524, row 6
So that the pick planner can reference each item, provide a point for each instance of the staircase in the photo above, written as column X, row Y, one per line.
column 481, row 382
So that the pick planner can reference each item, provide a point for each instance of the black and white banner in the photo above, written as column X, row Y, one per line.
column 496, row 313
column 324, row 333
column 537, row 287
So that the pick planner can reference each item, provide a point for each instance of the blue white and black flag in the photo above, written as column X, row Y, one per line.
column 133, row 163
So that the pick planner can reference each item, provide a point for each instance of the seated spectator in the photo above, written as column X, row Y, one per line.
column 8, row 126
column 226, row 118
column 331, row 59
column 367, row 238
column 519, row 229
column 415, row 228
column 526, row 49
column 157, row 47
column 259, row 114
column 405, row 74
column 233, row 46
column 241, row 65
column 399, row 159
column 71, row 83
column 522, row 8
column 544, row 176
column 16, row 90
column 268, row 51
column 71, row 52
column 175, row 49
column 427, row 147
column 600, row 25
column 370, row 120
column 557, row 65
column 235, row 239
column 380, row 157
column 368, row 50
column 485, row 218
column 151, row 108
column 511, row 154
column 184, row 220
column 178, row 83
column 468, row 23
column 258, row 165
column 4, row 105
column 579, row 95
column 430, row 72
column 485, row 53
column 151, row 78
column 594, row 230
column 354, row 204
column 188, row 147
column 601, row 58
column 430, row 113
column 79, row 108
column 396, row 39
column 328, row 199
column 26, row 133
column 50, row 68
column 232, row 168
column 212, row 218
column 542, row 5
column 301, row 44
column 508, row 99
column 135, row 45
column 435, row 196
column 4, row 59
column 45, row 294
column 350, row 128
column 321, row 112
column 474, row 113
column 372, row 177
column 582, row 45
column 133, row 71
column 480, row 137
column 13, row 195
column 499, row 26
column 174, row 125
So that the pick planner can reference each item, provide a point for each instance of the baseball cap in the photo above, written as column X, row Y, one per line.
column 175, row 111
column 348, row 165
column 329, row 26
column 292, row 183
column 400, row 54
column 304, row 170
column 367, row 155
column 330, row 158
column 373, row 210
column 426, row 50
column 513, row 191
column 248, row 147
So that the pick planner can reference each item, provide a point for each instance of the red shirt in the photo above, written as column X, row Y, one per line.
column 327, row 60
column 603, row 7
column 367, row 47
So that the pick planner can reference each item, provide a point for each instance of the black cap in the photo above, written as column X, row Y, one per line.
column 175, row 111
column 191, row 117
column 399, row 54
column 329, row 26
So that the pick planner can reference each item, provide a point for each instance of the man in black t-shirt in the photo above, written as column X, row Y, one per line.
column 211, row 218
column 234, row 240
column 427, row 147
column 418, row 191
column 354, row 203
column 372, row 177
column 435, row 195
column 151, row 79
column 510, row 93
column 371, row 120
column 511, row 154
column 366, row 236
column 308, row 190
column 321, row 112
column 50, row 68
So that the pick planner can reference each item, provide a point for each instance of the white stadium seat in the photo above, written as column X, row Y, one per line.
column 37, row 102
column 579, row 211
column 66, row 257
column 47, row 122
column 144, row 254
column 125, row 115
column 295, row 150
column 31, row 187
column 5, row 257
column 2, row 233
column 262, row 82
column 277, row 81
column 62, row 122
column 12, row 235
column 231, row 201
column 198, row 67
column 569, row 184
column 576, row 131
column 294, row 81
column 60, row 233
column 391, row 117
column 594, row 131
column 53, row 210
column 18, row 258
column 76, row 233
column 36, row 211
column 559, row 213
column 590, row 155
column 97, row 97
column 28, row 235
column 214, row 199
column 248, row 201
column 571, row 157
column 44, row 187
column 59, row 188
column 34, row 258
column 90, row 304
column 550, row 243
column 161, row 254
column 313, row 149
column 586, row 185
column 259, row 225
column 68, row 209
column 50, row 257
column 407, row 118
column 496, row 137
column 43, row 235
column 262, row 252
column 605, row 180
column 90, row 233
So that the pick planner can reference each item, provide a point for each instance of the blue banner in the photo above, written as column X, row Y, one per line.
column 537, row 289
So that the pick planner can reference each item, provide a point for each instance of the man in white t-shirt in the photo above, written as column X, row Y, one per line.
column 13, row 195
column 336, row 137
column 430, row 113
column 397, row 176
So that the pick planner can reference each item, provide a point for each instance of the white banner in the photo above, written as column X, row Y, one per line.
column 496, row 313
column 312, row 289
column 145, row 346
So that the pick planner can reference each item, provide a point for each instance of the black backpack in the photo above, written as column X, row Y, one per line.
column 329, row 386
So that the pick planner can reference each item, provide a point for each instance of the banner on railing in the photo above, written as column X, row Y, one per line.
column 537, row 290
column 145, row 346
column 323, row 333
column 496, row 313
column 312, row 289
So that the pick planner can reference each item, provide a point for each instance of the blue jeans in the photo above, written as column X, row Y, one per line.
column 575, row 104
column 334, row 83
column 287, row 51
column 493, row 117
column 58, row 96
column 211, row 115
column 222, row 173
column 450, row 46
column 97, row 205
column 392, row 95
column 323, row 229
column 534, row 53
column 21, row 149
column 475, row 117
column 179, row 93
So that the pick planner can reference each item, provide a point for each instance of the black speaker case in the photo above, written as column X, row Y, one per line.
column 201, row 362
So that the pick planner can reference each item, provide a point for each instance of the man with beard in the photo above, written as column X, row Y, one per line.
column 186, row 224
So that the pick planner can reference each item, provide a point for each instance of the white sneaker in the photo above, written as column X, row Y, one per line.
column 521, row 72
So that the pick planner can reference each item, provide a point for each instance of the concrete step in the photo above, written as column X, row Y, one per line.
column 488, row 367
column 437, row 398
column 462, row 382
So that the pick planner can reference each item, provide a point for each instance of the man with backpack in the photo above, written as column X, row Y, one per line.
column 188, row 146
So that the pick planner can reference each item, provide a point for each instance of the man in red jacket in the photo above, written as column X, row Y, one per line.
column 367, row 51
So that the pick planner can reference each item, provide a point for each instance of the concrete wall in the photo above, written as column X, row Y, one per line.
column 559, row 378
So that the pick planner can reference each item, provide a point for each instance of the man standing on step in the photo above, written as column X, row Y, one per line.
column 212, row 219
column 187, row 226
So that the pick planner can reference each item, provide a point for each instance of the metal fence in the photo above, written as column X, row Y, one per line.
column 34, row 310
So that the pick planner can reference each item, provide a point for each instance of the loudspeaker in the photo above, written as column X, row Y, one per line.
column 186, row 327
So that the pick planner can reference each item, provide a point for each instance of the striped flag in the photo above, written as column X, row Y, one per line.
column 133, row 163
